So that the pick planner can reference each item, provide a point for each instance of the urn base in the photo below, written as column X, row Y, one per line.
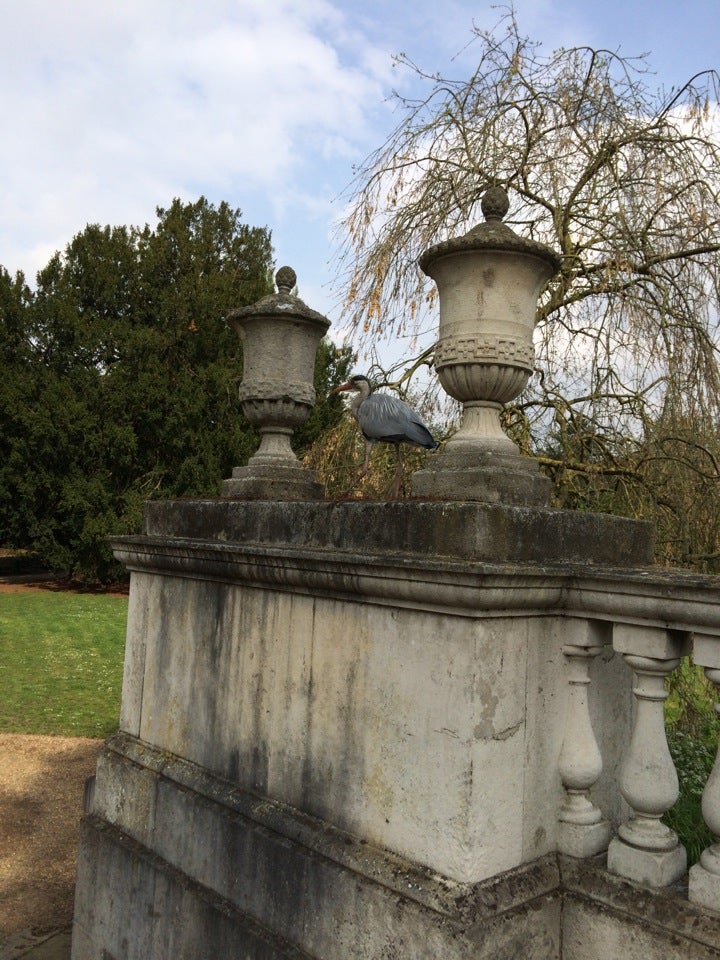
column 273, row 481
column 485, row 476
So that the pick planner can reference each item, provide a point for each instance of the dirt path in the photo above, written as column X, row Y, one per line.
column 42, row 782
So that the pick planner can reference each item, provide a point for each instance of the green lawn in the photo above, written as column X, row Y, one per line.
column 61, row 662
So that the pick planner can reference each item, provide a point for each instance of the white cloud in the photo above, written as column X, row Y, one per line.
column 113, row 108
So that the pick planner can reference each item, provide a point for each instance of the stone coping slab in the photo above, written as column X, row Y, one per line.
column 491, row 914
column 463, row 531
column 127, row 759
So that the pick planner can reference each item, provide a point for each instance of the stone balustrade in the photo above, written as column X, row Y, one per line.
column 644, row 849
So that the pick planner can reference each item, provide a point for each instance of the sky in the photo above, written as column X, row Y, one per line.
column 111, row 108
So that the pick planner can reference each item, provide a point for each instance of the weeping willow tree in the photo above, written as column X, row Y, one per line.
column 622, row 180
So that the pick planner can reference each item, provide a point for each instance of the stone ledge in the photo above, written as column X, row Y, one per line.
column 125, row 756
column 461, row 531
column 675, row 599
column 308, row 884
column 165, row 910
column 421, row 584
column 666, row 909
column 325, row 884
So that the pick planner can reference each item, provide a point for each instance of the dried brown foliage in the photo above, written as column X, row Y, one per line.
column 624, row 182
column 338, row 455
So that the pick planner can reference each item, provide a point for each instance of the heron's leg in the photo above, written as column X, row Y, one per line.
column 398, row 473
column 366, row 465
column 368, row 448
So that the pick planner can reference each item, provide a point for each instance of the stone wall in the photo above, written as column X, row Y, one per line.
column 338, row 742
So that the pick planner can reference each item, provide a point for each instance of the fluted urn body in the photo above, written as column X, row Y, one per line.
column 488, row 285
column 280, row 336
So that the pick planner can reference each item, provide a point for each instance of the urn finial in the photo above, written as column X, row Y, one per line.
column 495, row 203
column 285, row 278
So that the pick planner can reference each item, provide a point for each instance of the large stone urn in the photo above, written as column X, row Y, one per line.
column 488, row 283
column 280, row 336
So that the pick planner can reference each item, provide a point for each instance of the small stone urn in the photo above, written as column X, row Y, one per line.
column 488, row 282
column 280, row 336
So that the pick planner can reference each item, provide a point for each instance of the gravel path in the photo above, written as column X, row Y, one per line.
column 42, row 782
column 41, row 796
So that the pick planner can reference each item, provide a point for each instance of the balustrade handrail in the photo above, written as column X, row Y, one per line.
column 668, row 599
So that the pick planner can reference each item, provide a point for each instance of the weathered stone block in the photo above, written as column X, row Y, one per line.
column 268, row 877
column 606, row 916
column 462, row 531
column 655, row 868
column 704, row 887
column 583, row 840
column 341, row 726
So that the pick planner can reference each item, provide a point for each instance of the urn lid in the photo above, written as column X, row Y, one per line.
column 491, row 235
column 279, row 305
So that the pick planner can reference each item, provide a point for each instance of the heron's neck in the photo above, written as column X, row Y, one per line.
column 355, row 403
column 362, row 395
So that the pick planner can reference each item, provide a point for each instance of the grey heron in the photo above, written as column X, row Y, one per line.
column 386, row 419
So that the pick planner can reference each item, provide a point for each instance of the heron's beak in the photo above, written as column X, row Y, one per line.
column 342, row 387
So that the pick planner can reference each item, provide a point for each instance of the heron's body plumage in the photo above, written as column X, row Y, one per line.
column 385, row 419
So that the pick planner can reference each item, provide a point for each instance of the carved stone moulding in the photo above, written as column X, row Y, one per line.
column 484, row 349
column 269, row 403
column 496, row 383
column 259, row 390
column 494, row 369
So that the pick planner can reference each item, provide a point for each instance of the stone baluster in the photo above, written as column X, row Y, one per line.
column 582, row 831
column 646, row 850
column 704, row 885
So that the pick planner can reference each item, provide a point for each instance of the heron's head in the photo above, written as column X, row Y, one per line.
column 358, row 384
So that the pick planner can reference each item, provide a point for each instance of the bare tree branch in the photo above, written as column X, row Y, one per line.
column 625, row 183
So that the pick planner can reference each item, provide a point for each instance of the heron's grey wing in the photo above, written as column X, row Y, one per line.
column 382, row 417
